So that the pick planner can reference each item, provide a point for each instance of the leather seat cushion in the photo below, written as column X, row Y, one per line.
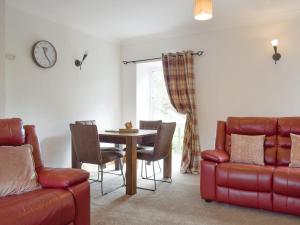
column 146, row 147
column 41, row 207
column 287, row 181
column 245, row 177
column 145, row 154
column 108, row 156
column 141, row 147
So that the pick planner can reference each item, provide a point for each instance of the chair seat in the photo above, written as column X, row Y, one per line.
column 245, row 177
column 141, row 147
column 145, row 147
column 44, row 206
column 108, row 156
column 145, row 154
column 109, row 149
column 287, row 181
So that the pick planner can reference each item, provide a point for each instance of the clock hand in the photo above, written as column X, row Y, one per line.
column 45, row 53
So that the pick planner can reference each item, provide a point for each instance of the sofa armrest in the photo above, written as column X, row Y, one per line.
column 218, row 156
column 61, row 178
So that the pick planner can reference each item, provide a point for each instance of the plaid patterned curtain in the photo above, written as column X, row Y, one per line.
column 179, row 79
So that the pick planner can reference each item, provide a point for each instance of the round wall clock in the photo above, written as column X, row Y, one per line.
column 44, row 54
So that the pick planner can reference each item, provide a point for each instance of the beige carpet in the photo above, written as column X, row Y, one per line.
column 178, row 203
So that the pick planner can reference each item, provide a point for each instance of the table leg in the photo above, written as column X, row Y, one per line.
column 131, row 165
column 168, row 165
column 75, row 163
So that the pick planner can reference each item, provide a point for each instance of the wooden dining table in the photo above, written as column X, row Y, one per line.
column 131, row 140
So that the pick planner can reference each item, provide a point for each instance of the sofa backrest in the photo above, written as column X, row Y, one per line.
column 277, row 131
column 254, row 126
column 286, row 126
column 13, row 133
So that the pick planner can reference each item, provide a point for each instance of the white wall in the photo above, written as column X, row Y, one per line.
column 52, row 98
column 235, row 77
column 2, row 52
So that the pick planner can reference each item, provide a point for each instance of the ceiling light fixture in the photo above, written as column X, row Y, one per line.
column 203, row 9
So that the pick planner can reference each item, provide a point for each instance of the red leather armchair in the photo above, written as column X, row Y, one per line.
column 64, row 198
column 273, row 186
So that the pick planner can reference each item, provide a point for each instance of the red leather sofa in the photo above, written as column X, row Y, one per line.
column 64, row 198
column 274, row 186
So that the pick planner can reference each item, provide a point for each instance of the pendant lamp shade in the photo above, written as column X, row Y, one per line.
column 203, row 9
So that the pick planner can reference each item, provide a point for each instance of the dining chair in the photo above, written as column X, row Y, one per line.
column 148, row 125
column 86, row 144
column 159, row 151
column 86, row 122
column 117, row 163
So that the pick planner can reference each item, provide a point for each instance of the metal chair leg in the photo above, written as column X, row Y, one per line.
column 146, row 169
column 154, row 176
column 121, row 167
column 101, row 173
column 142, row 168
column 98, row 176
column 159, row 166
column 147, row 178
column 101, row 180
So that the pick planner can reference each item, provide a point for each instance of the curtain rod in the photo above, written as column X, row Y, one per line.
column 199, row 53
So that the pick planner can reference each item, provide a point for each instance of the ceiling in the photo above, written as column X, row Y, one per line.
column 122, row 20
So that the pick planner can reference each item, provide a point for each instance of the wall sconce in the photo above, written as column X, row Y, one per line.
column 276, row 55
column 203, row 9
column 79, row 63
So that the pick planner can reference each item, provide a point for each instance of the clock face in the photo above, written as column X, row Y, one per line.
column 44, row 54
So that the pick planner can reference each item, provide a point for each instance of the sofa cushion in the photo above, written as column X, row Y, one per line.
column 245, row 177
column 17, row 172
column 44, row 206
column 295, row 151
column 11, row 132
column 287, row 181
column 247, row 149
column 254, row 126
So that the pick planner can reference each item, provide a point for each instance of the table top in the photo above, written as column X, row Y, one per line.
column 118, row 134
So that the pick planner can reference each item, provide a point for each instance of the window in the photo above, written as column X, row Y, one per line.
column 153, row 101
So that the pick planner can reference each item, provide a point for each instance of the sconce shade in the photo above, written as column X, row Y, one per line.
column 276, row 55
column 203, row 9
column 274, row 42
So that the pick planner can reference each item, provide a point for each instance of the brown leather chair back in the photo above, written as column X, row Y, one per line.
column 150, row 124
column 163, row 141
column 85, row 140
column 86, row 122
